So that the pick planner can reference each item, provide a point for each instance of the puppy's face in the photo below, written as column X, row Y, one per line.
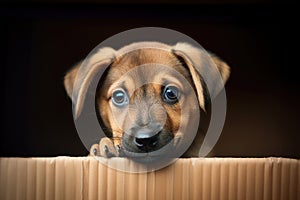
column 141, row 99
column 150, row 94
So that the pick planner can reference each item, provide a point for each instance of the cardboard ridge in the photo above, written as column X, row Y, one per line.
column 194, row 178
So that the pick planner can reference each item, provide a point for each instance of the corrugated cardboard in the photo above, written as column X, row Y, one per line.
column 72, row 178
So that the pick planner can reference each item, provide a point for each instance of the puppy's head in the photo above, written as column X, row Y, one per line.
column 147, row 92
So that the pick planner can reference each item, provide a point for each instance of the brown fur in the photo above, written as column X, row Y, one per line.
column 145, row 103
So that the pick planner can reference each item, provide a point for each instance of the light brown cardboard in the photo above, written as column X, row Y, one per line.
column 196, row 178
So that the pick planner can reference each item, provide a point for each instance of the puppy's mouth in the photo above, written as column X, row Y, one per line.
column 146, row 142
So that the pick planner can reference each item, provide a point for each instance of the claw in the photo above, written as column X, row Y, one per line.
column 95, row 151
column 120, row 151
column 118, row 147
column 108, row 153
column 106, row 149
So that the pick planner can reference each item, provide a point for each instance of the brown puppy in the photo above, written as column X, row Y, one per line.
column 145, row 100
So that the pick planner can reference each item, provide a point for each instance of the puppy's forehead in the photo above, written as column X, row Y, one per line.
column 145, row 57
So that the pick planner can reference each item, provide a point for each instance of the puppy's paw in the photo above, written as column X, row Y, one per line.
column 108, row 149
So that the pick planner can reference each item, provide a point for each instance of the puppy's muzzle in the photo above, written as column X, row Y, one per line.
column 146, row 139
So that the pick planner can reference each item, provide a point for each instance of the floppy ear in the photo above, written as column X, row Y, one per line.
column 70, row 79
column 204, row 68
column 79, row 78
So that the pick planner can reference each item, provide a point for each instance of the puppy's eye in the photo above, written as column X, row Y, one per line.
column 171, row 94
column 119, row 98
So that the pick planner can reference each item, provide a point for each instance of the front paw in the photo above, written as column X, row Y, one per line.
column 106, row 148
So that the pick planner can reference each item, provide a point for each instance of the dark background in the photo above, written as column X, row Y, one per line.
column 40, row 41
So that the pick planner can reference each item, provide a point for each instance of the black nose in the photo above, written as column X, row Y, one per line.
column 146, row 140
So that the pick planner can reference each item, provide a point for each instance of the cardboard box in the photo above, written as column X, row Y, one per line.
column 196, row 178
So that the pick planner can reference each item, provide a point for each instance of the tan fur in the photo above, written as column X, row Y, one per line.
column 143, row 106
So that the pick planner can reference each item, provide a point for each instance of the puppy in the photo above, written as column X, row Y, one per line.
column 143, row 101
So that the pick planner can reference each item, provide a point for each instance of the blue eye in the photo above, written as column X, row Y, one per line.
column 119, row 98
column 171, row 94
